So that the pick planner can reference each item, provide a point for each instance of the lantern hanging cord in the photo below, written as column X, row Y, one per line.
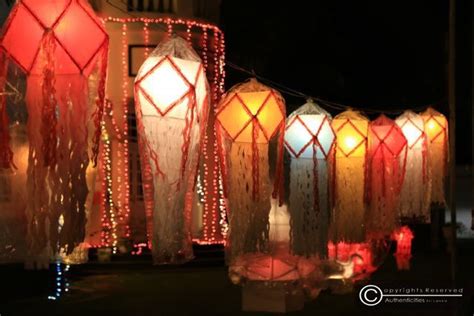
column 329, row 104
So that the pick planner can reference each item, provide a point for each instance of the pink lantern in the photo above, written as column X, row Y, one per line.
column 386, row 159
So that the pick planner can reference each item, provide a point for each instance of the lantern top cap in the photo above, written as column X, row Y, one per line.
column 382, row 119
column 431, row 112
column 251, row 85
column 409, row 114
column 177, row 47
column 351, row 114
column 309, row 108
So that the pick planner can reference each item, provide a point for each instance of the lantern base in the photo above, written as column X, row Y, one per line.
column 273, row 297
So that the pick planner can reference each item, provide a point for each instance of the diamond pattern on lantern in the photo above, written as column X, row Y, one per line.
column 299, row 135
column 46, row 11
column 434, row 128
column 349, row 138
column 270, row 116
column 166, row 83
column 235, row 117
column 77, row 27
column 78, row 34
column 326, row 137
column 389, row 137
column 412, row 133
column 306, row 131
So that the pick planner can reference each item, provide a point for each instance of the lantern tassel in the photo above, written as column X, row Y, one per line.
column 249, row 223
column 49, row 115
column 309, row 211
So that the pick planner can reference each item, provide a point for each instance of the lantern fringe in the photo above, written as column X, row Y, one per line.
column 347, row 220
column 248, row 218
column 171, row 238
column 48, row 114
column 58, row 106
column 97, row 115
column 309, row 210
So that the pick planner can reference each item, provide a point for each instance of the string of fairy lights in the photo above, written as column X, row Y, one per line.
column 117, row 215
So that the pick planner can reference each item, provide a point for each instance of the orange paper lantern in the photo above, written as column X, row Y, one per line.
column 248, row 117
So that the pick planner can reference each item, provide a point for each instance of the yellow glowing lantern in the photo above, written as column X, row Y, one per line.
column 436, row 129
column 351, row 130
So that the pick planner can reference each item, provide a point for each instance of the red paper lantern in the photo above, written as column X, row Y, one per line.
column 77, row 33
column 62, row 48
column 386, row 159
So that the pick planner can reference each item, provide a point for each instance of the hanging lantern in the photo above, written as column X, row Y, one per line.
column 403, row 236
column 172, row 103
column 309, row 139
column 416, row 188
column 349, row 210
column 386, row 158
column 249, row 116
column 436, row 129
column 62, row 48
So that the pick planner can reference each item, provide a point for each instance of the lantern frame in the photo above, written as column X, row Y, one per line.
column 82, row 68
column 252, row 118
column 362, row 142
column 314, row 136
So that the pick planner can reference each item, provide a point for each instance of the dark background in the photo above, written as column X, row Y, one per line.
column 381, row 54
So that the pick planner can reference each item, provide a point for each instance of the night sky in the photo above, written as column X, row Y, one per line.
column 385, row 54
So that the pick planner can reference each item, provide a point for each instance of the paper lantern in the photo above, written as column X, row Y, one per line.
column 62, row 48
column 249, row 116
column 309, row 139
column 416, row 188
column 386, row 159
column 436, row 129
column 349, row 210
column 276, row 263
column 172, row 104
column 403, row 236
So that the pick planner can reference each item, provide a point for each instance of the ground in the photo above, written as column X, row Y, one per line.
column 135, row 287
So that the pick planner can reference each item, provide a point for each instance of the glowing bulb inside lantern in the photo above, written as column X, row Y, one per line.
column 350, row 142
column 431, row 125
